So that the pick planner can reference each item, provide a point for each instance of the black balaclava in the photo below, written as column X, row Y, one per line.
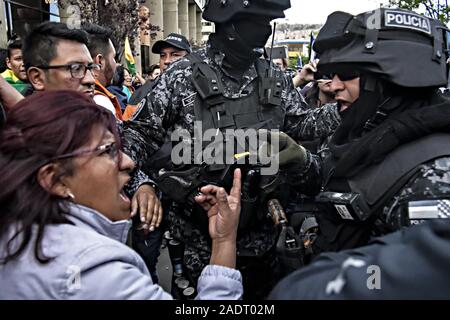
column 241, row 40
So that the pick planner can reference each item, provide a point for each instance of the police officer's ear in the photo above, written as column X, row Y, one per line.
column 100, row 60
column 37, row 77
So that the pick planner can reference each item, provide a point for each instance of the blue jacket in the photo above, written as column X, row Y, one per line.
column 91, row 261
column 120, row 95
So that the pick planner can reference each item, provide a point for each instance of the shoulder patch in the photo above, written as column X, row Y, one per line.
column 139, row 108
column 429, row 209
column 407, row 20
column 188, row 101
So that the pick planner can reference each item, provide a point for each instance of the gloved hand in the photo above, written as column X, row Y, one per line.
column 290, row 155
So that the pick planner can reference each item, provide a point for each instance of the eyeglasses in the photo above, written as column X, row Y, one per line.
column 110, row 149
column 77, row 70
column 342, row 75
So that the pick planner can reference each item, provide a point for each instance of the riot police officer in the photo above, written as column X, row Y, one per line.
column 227, row 85
column 388, row 161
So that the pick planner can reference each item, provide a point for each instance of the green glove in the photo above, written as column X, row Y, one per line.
column 290, row 156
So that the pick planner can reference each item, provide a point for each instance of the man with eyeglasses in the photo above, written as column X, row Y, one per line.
column 57, row 58
column 103, row 53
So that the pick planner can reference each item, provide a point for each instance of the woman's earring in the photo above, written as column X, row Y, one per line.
column 70, row 195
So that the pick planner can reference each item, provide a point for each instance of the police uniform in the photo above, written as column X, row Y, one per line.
column 171, row 106
column 387, row 165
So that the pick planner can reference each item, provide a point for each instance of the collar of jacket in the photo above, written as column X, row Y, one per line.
column 8, row 73
column 88, row 218
column 100, row 89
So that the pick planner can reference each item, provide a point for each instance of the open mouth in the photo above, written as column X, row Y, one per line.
column 343, row 105
column 123, row 196
column 89, row 92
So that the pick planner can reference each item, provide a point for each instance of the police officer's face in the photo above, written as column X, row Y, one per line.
column 347, row 92
column 169, row 55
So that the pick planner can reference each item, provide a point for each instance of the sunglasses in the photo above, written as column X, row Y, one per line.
column 343, row 75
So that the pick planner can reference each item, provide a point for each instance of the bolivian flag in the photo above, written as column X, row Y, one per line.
column 131, row 64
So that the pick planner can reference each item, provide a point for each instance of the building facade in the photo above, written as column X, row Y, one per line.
column 157, row 19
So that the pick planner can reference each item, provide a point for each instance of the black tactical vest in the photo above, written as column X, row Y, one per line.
column 260, row 109
column 219, row 112
column 371, row 190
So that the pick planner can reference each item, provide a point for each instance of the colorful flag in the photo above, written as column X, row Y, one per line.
column 131, row 64
column 312, row 53
column 299, row 63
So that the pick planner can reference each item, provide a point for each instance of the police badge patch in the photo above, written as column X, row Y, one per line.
column 407, row 20
column 188, row 101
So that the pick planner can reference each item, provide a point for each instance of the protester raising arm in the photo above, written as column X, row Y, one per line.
column 8, row 95
column 223, row 214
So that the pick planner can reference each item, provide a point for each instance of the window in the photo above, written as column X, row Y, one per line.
column 23, row 15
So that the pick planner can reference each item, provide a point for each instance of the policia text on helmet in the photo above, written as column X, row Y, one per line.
column 242, row 28
column 399, row 46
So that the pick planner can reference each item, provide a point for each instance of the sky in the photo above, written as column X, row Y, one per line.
column 316, row 11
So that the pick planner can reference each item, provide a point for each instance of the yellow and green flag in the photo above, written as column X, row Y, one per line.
column 131, row 64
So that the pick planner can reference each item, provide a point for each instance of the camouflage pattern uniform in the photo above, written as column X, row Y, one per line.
column 137, row 177
column 432, row 183
column 171, row 106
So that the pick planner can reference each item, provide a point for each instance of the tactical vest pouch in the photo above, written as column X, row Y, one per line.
column 179, row 185
column 249, row 199
column 270, row 84
column 350, row 206
column 206, row 81
column 290, row 250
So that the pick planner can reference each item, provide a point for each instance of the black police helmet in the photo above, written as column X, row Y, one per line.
column 400, row 46
column 220, row 11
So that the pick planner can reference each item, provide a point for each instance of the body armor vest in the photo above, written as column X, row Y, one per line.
column 375, row 186
column 216, row 111
column 219, row 112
